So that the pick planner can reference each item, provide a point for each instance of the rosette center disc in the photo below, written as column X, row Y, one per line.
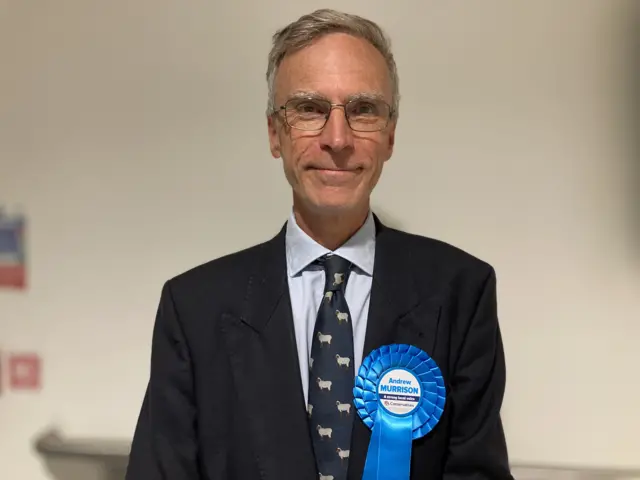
column 399, row 391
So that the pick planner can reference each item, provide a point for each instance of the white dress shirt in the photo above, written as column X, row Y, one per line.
column 306, row 287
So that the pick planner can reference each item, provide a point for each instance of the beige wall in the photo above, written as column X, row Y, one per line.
column 132, row 135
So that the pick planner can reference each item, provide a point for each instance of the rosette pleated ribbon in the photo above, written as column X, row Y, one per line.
column 392, row 433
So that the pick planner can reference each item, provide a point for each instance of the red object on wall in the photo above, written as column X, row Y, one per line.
column 13, row 276
column 24, row 371
column 12, row 251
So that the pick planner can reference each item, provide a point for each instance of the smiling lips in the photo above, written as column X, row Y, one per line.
column 335, row 174
column 334, row 171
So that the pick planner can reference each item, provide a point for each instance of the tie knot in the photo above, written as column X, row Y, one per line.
column 336, row 270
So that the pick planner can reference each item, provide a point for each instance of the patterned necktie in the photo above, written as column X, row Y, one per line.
column 331, row 377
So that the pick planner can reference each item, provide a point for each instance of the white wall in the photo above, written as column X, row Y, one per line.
column 132, row 135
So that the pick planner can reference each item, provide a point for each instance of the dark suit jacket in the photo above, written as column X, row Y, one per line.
column 225, row 401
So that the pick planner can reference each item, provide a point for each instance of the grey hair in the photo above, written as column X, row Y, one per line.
column 308, row 28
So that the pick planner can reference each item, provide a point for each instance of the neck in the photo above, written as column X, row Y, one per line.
column 331, row 230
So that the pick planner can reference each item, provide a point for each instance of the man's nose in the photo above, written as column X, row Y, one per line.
column 337, row 134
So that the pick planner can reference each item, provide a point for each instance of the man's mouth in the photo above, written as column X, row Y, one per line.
column 335, row 170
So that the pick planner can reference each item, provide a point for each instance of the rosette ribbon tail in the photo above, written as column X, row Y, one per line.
column 389, row 454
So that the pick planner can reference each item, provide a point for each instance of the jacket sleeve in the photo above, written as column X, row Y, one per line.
column 164, row 445
column 477, row 448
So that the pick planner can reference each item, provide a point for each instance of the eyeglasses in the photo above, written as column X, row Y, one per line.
column 363, row 115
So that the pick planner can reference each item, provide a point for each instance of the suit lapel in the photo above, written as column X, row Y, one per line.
column 393, row 292
column 265, row 364
column 395, row 316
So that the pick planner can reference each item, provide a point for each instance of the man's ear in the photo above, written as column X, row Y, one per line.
column 392, row 139
column 274, row 140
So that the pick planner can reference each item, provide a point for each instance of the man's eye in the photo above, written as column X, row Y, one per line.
column 309, row 108
column 365, row 108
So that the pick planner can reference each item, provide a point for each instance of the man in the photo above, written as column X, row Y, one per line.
column 247, row 348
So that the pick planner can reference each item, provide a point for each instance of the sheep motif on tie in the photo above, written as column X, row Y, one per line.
column 343, row 407
column 324, row 384
column 322, row 338
column 343, row 454
column 342, row 316
column 324, row 432
column 343, row 361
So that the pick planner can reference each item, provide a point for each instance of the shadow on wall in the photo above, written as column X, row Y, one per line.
column 81, row 459
column 386, row 218
column 633, row 66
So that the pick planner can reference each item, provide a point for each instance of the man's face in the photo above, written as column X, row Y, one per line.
column 335, row 169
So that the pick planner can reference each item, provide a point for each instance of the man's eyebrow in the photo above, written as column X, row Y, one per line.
column 305, row 94
column 371, row 96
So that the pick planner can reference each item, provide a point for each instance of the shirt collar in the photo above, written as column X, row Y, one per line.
column 303, row 250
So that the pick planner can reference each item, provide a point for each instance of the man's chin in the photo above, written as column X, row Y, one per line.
column 335, row 206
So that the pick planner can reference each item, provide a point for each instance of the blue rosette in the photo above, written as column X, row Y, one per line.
column 400, row 395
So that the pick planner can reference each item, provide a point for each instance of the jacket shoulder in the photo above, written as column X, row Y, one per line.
column 429, row 252
column 228, row 274
column 223, row 266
